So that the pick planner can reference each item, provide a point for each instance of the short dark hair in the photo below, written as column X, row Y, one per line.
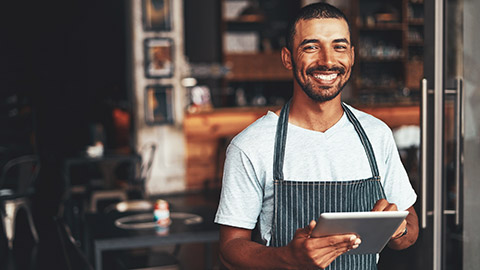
column 314, row 11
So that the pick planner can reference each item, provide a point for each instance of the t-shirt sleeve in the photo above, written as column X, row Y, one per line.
column 242, row 194
column 397, row 186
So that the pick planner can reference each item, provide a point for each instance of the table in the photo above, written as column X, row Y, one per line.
column 105, row 235
column 74, row 208
column 107, row 159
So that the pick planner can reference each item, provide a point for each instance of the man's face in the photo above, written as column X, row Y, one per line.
column 322, row 57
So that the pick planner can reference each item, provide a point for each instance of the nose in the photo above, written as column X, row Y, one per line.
column 325, row 57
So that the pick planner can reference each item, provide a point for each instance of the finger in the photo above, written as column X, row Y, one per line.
column 312, row 224
column 391, row 207
column 325, row 259
column 309, row 228
column 306, row 231
column 302, row 232
column 380, row 205
column 344, row 247
column 400, row 229
column 336, row 241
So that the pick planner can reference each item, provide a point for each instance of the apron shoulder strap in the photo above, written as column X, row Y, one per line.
column 280, row 141
column 364, row 139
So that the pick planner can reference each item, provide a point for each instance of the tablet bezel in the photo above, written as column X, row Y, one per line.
column 374, row 228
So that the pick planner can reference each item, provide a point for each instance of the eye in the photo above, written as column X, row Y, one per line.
column 340, row 47
column 310, row 48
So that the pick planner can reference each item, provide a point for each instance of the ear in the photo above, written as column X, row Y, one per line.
column 287, row 58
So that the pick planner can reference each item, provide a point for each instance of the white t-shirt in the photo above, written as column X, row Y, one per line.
column 334, row 155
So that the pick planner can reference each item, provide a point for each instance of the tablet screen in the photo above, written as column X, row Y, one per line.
column 374, row 228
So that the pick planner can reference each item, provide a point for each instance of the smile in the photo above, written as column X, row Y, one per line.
column 325, row 77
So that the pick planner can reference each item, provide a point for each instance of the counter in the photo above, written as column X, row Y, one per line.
column 207, row 135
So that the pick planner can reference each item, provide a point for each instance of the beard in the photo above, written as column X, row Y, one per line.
column 323, row 94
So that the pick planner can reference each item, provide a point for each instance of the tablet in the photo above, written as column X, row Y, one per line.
column 374, row 228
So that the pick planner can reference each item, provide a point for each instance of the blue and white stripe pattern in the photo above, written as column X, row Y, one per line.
column 299, row 202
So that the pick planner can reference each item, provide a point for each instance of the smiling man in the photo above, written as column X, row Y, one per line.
column 326, row 157
column 328, row 71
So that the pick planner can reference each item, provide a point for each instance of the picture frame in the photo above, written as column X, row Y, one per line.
column 159, row 104
column 158, row 57
column 157, row 15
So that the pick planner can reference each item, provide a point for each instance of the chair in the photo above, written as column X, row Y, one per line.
column 142, row 174
column 75, row 259
column 144, row 258
column 16, row 185
column 133, row 188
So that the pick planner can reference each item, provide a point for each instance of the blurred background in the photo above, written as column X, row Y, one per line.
column 141, row 98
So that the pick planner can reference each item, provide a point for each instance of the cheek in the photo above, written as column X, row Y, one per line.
column 348, row 64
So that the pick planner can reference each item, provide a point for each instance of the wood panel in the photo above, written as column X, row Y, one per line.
column 208, row 133
column 395, row 117
column 256, row 66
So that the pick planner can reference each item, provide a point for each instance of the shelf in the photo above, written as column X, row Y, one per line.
column 247, row 19
column 416, row 2
column 395, row 116
column 205, row 134
column 221, row 122
column 381, row 59
column 418, row 21
column 265, row 66
column 382, row 27
column 368, row 89
column 415, row 42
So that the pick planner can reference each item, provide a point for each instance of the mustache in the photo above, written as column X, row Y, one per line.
column 340, row 70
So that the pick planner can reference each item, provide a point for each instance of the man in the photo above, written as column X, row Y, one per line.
column 326, row 156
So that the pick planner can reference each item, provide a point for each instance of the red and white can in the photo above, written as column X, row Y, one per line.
column 161, row 213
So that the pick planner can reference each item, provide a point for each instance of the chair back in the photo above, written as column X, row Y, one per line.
column 143, row 170
column 19, row 175
column 73, row 256
column 148, row 155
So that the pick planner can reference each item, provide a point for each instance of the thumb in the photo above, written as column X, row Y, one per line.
column 310, row 227
column 306, row 231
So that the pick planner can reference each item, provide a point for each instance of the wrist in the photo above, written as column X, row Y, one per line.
column 405, row 231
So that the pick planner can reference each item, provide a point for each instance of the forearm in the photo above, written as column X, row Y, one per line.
column 244, row 254
column 408, row 239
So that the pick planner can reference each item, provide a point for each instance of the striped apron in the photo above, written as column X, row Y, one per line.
column 296, row 203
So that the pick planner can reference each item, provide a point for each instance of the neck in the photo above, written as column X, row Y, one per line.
column 317, row 116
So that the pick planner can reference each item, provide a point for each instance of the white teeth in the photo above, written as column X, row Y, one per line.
column 326, row 77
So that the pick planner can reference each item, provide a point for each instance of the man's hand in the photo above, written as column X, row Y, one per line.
column 399, row 240
column 384, row 205
column 238, row 251
column 313, row 252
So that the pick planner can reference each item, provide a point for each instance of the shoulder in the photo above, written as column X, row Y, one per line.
column 378, row 132
column 259, row 133
column 370, row 122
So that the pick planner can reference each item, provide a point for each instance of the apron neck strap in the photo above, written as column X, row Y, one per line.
column 365, row 141
column 281, row 139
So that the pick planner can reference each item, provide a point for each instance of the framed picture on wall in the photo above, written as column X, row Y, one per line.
column 159, row 104
column 158, row 57
column 157, row 15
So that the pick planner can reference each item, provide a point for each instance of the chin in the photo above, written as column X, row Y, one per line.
column 321, row 97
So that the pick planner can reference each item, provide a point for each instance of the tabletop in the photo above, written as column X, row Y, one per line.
column 104, row 234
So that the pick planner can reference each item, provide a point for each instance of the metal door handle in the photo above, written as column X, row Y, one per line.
column 459, row 135
column 424, row 130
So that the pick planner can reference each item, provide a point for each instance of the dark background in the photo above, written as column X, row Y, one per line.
column 62, row 69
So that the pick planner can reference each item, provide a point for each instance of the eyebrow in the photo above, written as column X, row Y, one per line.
column 340, row 40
